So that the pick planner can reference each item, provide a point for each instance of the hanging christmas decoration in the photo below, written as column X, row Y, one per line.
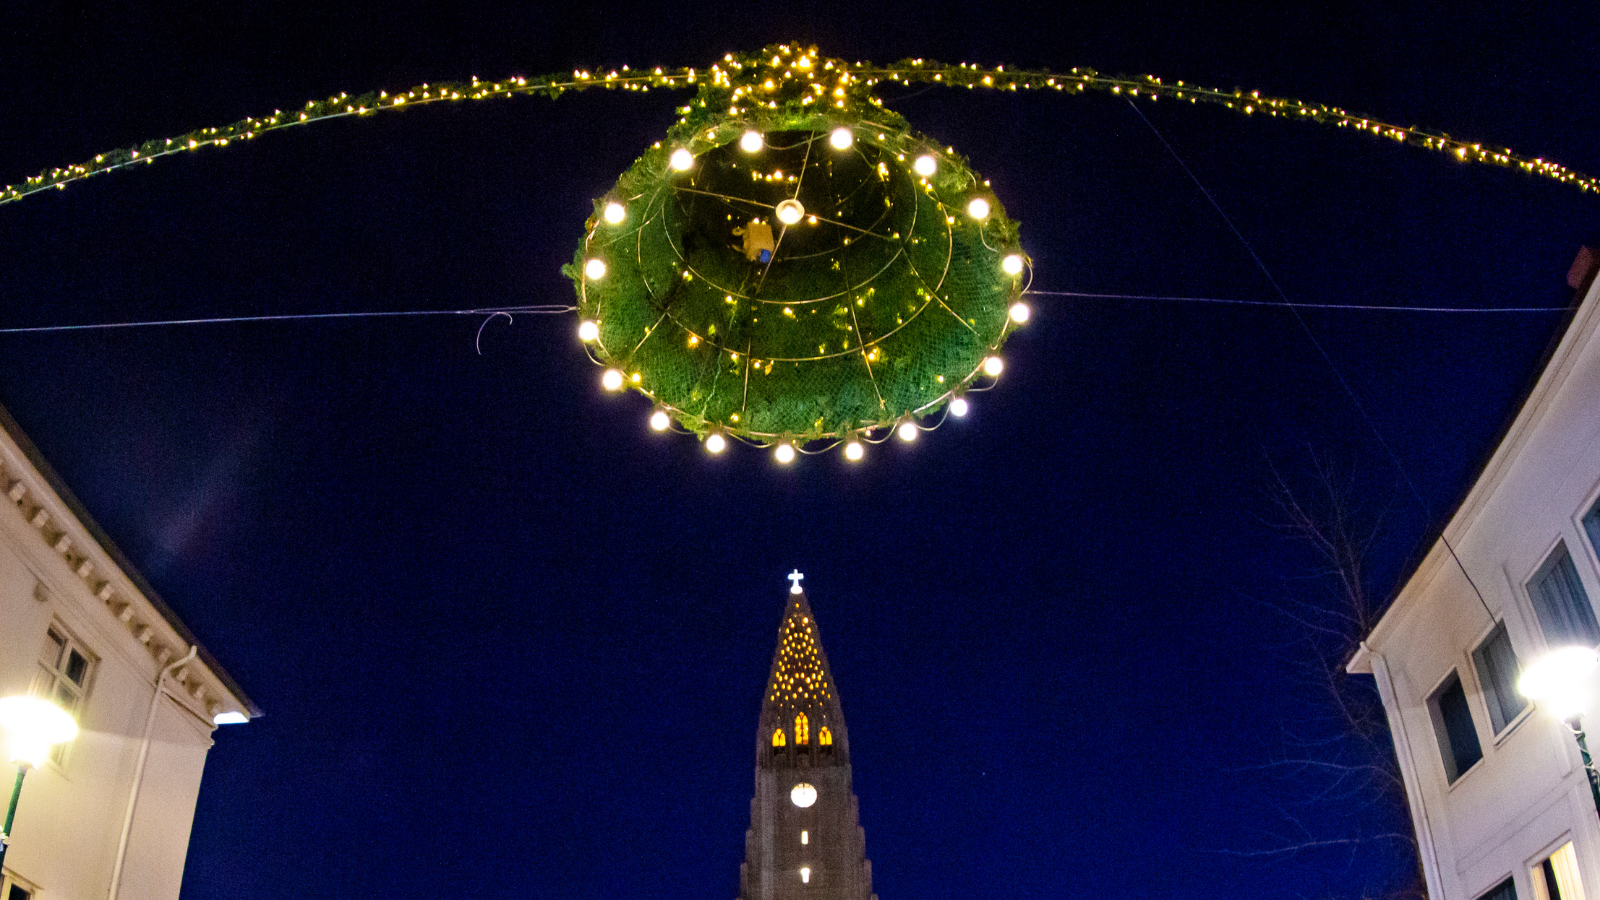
column 795, row 264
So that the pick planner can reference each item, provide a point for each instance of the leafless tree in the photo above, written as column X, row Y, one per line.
column 1340, row 748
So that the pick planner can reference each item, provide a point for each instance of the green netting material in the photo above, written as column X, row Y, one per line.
column 879, row 305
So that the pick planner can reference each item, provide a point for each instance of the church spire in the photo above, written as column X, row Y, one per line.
column 800, row 714
column 805, row 841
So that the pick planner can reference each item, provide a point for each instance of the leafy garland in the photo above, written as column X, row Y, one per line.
column 911, row 71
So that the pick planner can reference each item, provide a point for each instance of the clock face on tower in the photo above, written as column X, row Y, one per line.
column 803, row 795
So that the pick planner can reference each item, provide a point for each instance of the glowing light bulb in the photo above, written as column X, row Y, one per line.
column 841, row 139
column 959, row 407
column 659, row 420
column 978, row 208
column 790, row 211
column 615, row 212
column 682, row 159
column 611, row 380
column 853, row 451
column 907, row 431
column 716, row 443
column 1012, row 264
column 588, row 331
column 751, row 142
column 594, row 269
column 925, row 166
column 1019, row 312
column 993, row 366
column 784, row 453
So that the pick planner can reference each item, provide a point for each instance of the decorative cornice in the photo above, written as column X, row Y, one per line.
column 63, row 531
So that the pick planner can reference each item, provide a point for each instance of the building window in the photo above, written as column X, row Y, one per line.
column 805, row 837
column 1591, row 526
column 824, row 736
column 1452, row 725
column 1505, row 890
column 1497, row 673
column 805, row 874
column 778, row 740
column 13, row 890
column 1561, row 604
column 62, row 678
column 802, row 729
column 1557, row 877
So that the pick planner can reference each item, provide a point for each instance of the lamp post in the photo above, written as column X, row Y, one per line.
column 34, row 725
column 1562, row 681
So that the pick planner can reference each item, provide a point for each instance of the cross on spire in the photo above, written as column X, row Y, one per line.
column 795, row 577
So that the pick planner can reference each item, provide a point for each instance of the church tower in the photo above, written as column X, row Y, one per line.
column 805, row 840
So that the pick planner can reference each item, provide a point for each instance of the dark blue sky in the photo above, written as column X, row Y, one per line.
column 510, row 643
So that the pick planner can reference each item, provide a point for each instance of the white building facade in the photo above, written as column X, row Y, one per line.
column 108, row 816
column 1497, row 791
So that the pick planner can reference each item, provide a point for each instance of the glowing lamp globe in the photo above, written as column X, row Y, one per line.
column 993, row 366
column 803, row 795
column 736, row 322
column 716, row 443
column 784, row 454
column 1020, row 313
column 853, row 451
column 594, row 269
column 588, row 330
column 615, row 213
column 790, row 212
column 659, row 421
column 907, row 431
column 611, row 380
column 959, row 407
column 34, row 725
column 1562, row 681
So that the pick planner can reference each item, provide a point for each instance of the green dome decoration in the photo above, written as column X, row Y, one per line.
column 796, row 264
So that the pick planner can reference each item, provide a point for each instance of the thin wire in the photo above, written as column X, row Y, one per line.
column 541, row 309
column 1339, row 376
column 1350, row 306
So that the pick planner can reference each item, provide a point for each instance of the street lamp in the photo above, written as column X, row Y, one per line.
column 34, row 725
column 1562, row 681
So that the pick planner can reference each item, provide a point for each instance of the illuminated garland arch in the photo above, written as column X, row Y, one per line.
column 794, row 265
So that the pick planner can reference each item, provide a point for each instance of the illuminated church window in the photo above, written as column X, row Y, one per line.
column 778, row 740
column 824, row 736
column 802, row 729
column 805, row 874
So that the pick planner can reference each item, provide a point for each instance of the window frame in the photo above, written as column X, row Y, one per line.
column 1490, row 894
column 10, row 880
column 1590, row 537
column 1486, row 687
column 1537, row 874
column 1548, row 561
column 1448, row 760
column 56, row 672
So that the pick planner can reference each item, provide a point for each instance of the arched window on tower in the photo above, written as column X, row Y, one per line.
column 778, row 740
column 802, row 729
column 824, row 736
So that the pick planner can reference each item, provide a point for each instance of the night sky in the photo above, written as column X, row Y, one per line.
column 511, row 644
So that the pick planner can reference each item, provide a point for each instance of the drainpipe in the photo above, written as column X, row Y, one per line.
column 138, row 771
column 1408, row 774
